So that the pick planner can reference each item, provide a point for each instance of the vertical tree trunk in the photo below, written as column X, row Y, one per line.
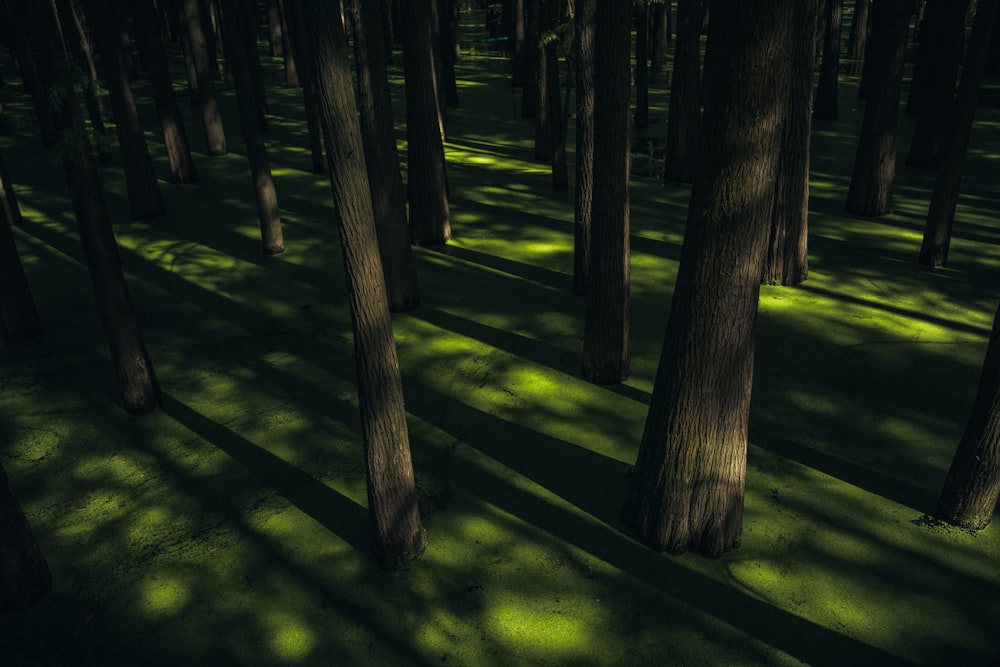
column 529, row 61
column 829, row 72
column 870, row 191
column 215, row 136
column 517, row 39
column 958, row 120
column 19, row 319
column 686, row 490
column 584, row 26
column 447, row 44
column 382, row 160
column 684, row 111
column 543, row 129
column 288, row 53
column 398, row 535
column 858, row 39
column 248, row 38
column 295, row 28
column 557, row 119
column 9, row 208
column 971, row 489
column 642, row 65
column 24, row 575
column 606, row 330
column 660, row 21
column 427, row 190
column 275, row 36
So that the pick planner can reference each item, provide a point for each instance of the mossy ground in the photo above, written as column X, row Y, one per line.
column 230, row 527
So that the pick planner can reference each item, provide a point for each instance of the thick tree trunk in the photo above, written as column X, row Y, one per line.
column 858, row 39
column 398, row 536
column 686, row 490
column 958, row 121
column 182, row 169
column 684, row 111
column 215, row 136
column 427, row 189
column 379, row 138
column 969, row 496
column 606, row 330
column 870, row 191
column 584, row 192
column 266, row 196
column 642, row 65
column 826, row 107
column 19, row 319
column 24, row 575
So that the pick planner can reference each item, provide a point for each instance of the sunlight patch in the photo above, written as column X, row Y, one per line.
column 165, row 595
column 291, row 640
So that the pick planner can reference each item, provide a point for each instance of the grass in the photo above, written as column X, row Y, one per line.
column 230, row 527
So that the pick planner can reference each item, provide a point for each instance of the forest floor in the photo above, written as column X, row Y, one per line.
column 230, row 526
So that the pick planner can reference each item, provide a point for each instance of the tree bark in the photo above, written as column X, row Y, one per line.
column 275, row 36
column 642, row 65
column 971, row 489
column 543, row 122
column 25, row 577
column 398, row 536
column 858, row 39
column 80, row 47
column 661, row 36
column 295, row 28
column 19, row 319
column 606, row 330
column 826, row 107
column 211, row 117
column 684, row 112
column 288, row 53
column 529, row 61
column 584, row 191
column 687, row 487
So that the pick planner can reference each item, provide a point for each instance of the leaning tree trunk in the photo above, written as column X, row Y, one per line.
column 398, row 535
column 24, row 575
column 584, row 191
column 687, row 487
column 211, row 117
column 970, row 493
column 79, row 44
column 829, row 72
column 685, row 96
column 9, row 208
column 870, row 191
column 19, row 319
column 606, row 329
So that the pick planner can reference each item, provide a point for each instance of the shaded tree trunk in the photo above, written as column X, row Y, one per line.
column 447, row 46
column 529, row 61
column 971, row 489
column 660, row 28
column 9, row 208
column 215, row 136
column 80, row 48
column 19, row 319
column 686, row 490
column 398, row 536
column 288, row 53
column 557, row 119
column 584, row 191
column 829, row 72
column 870, row 191
column 25, row 577
column 642, row 65
column 684, row 112
column 858, row 39
column 275, row 36
column 543, row 122
column 430, row 219
column 958, row 121
column 299, row 40
column 382, row 160
column 606, row 329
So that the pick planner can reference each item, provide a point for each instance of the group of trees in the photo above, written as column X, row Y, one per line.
column 738, row 128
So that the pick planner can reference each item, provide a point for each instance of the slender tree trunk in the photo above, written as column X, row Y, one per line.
column 382, row 160
column 684, row 112
column 529, row 61
column 543, row 129
column 288, row 53
column 295, row 28
column 642, row 65
column 660, row 20
column 190, row 71
column 870, row 191
column 427, row 189
column 25, row 577
column 447, row 46
column 606, row 330
column 687, row 487
column 518, row 38
column 584, row 21
column 858, row 39
column 398, row 535
column 215, row 136
column 266, row 195
column 971, row 489
column 19, row 319
column 275, row 36
column 829, row 72
column 958, row 120
column 80, row 47
column 9, row 208
column 557, row 119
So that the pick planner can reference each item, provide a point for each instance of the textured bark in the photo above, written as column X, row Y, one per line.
column 606, row 329
column 684, row 112
column 295, row 28
column 642, row 65
column 381, row 158
column 687, row 487
column 398, row 536
column 786, row 261
column 211, row 118
column 829, row 72
column 182, row 168
column 958, row 120
column 289, row 55
column 971, row 489
column 252, row 56
column 265, row 194
column 24, row 575
column 557, row 119
column 870, row 191
column 427, row 191
column 858, row 40
column 584, row 189
column 19, row 319
column 543, row 121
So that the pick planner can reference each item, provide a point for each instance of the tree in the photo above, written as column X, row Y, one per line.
column 684, row 111
column 398, row 534
column 382, row 159
column 829, row 72
column 584, row 190
column 870, row 191
column 642, row 64
column 686, row 489
column 211, row 117
column 958, row 120
column 660, row 31
column 543, row 120
column 557, row 119
column 858, row 39
column 295, row 29
column 606, row 337
column 79, row 44
column 529, row 61
column 971, row 489
column 24, row 575
column 427, row 189
column 19, row 319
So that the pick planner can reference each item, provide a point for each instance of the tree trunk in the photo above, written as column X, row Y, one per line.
column 858, row 39
column 870, row 191
column 969, row 496
column 9, row 208
column 642, row 65
column 684, row 111
column 266, row 195
column 584, row 22
column 661, row 36
column 430, row 220
column 275, row 36
column 687, row 487
column 606, row 330
column 182, row 168
column 529, row 61
column 19, row 319
column 80, row 47
column 295, row 28
column 398, row 536
column 288, row 53
column 517, row 38
column 829, row 72
column 215, row 136
column 379, row 138
column 958, row 120
column 543, row 129
column 557, row 119
column 24, row 575
column 447, row 45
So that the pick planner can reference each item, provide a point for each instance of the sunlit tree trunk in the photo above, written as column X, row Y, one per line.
column 684, row 112
column 398, row 536
column 24, row 575
column 584, row 26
